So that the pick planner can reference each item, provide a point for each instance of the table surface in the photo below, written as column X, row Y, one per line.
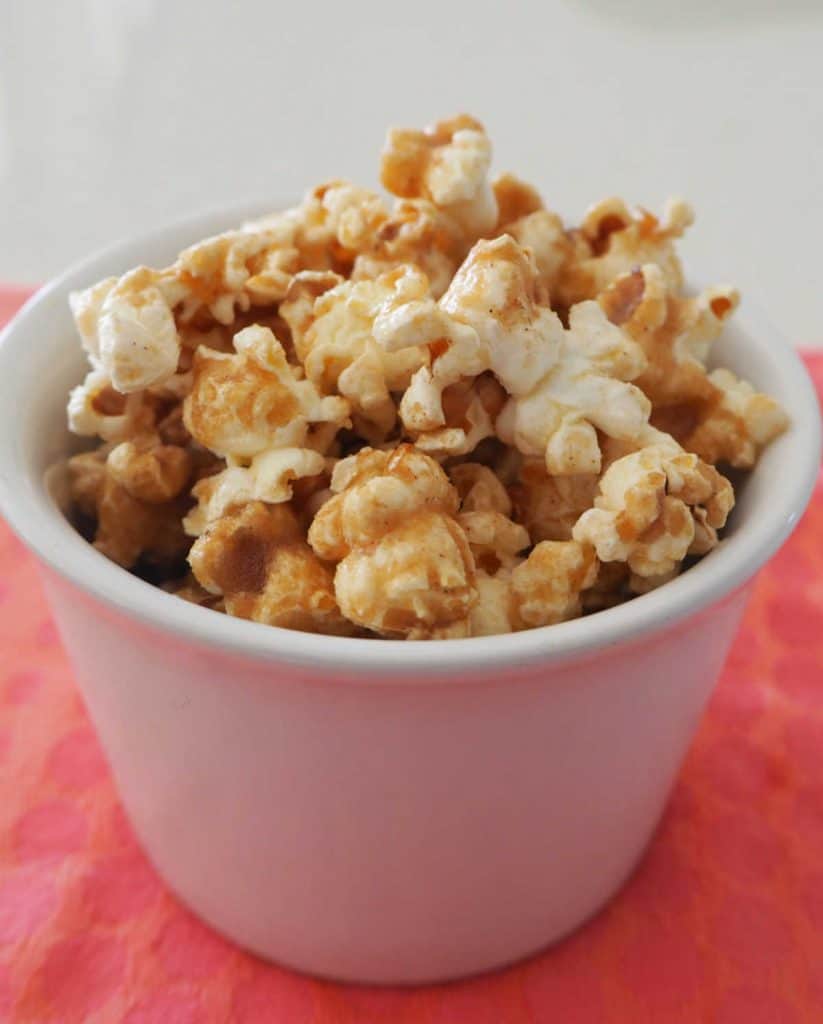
column 118, row 116
column 721, row 923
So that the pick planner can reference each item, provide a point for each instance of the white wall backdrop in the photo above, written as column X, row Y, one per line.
column 118, row 114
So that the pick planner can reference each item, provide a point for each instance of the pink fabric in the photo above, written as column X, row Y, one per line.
column 722, row 922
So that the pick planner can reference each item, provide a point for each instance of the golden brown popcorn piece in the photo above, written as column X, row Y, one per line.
column 337, row 347
column 171, row 429
column 252, row 400
column 733, row 426
column 563, row 382
column 715, row 415
column 655, row 506
column 414, row 581
column 491, row 318
column 255, row 263
column 126, row 529
column 297, row 307
column 549, row 506
column 515, row 199
column 492, row 614
column 131, row 326
column 335, row 222
column 485, row 516
column 269, row 477
column 416, row 232
column 405, row 567
column 544, row 589
column 495, row 540
column 257, row 559
column 212, row 276
column 479, row 489
column 544, row 234
column 128, row 329
column 353, row 214
column 150, row 470
column 86, row 477
column 587, row 390
column 675, row 332
column 96, row 409
column 448, row 164
column 614, row 239
column 470, row 409
column 273, row 272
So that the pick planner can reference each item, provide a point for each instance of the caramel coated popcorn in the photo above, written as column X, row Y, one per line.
column 404, row 564
column 440, row 415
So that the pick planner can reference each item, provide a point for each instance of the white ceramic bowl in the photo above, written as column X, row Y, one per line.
column 375, row 810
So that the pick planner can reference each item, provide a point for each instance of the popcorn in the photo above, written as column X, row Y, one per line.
column 127, row 529
column 404, row 564
column 655, row 506
column 128, row 329
column 485, row 509
column 494, row 540
column 563, row 383
column 150, row 470
column 257, row 560
column 586, row 390
column 491, row 614
column 515, row 199
column 86, row 476
column 269, row 478
column 489, row 319
column 297, row 307
column 546, row 587
column 549, row 506
column 255, row 264
column 543, row 233
column 447, row 163
column 252, row 400
column 542, row 590
column 715, row 415
column 342, row 213
column 416, row 232
column 96, row 409
column 129, row 326
column 446, row 418
column 470, row 408
column 337, row 347
column 674, row 332
column 479, row 489
column 734, row 425
column 86, row 307
column 496, row 293
column 613, row 240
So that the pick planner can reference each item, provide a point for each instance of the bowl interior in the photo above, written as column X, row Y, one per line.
column 41, row 359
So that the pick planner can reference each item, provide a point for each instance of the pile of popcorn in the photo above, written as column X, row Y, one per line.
column 450, row 416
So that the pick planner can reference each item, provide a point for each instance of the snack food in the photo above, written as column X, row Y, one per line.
column 448, row 417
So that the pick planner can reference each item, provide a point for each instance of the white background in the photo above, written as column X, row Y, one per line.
column 116, row 115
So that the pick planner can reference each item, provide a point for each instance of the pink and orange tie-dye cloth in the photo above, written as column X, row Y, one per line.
column 722, row 922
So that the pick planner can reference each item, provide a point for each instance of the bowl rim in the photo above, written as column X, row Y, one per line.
column 36, row 519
